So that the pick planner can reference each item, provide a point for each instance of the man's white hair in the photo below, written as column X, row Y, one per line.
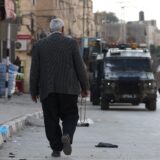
column 56, row 24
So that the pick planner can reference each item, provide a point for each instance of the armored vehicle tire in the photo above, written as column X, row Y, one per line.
column 95, row 101
column 94, row 98
column 104, row 104
column 91, row 97
column 151, row 104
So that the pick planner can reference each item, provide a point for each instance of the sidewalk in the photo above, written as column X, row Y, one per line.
column 14, row 112
column 133, row 128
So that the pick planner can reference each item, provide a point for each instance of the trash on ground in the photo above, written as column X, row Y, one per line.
column 107, row 145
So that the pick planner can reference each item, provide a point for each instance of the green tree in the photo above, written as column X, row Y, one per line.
column 111, row 17
column 152, row 49
column 155, row 49
column 155, row 52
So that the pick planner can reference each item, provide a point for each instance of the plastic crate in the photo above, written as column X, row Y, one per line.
column 11, row 79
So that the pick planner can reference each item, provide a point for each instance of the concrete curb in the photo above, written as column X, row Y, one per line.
column 7, row 130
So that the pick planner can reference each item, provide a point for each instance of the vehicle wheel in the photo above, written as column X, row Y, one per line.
column 94, row 98
column 104, row 104
column 95, row 101
column 91, row 96
column 151, row 105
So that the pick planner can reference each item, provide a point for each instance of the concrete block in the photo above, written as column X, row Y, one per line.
column 1, row 140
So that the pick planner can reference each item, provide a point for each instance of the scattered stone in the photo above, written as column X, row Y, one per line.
column 11, row 155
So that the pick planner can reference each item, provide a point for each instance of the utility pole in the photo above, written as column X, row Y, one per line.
column 123, row 30
column 32, row 24
column 124, row 4
column 87, row 19
column 85, row 39
column 83, row 25
column 70, row 11
column 7, row 13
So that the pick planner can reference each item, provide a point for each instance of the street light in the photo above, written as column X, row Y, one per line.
column 123, row 30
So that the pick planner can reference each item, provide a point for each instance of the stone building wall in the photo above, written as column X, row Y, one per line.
column 36, row 18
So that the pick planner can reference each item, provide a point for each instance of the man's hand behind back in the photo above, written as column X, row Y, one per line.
column 35, row 98
column 85, row 93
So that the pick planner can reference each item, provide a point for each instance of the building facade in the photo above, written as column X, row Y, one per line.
column 35, row 16
column 77, row 15
column 140, row 32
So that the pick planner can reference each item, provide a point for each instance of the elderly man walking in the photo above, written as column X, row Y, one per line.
column 58, row 76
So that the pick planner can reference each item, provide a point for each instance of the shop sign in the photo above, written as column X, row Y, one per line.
column 24, row 36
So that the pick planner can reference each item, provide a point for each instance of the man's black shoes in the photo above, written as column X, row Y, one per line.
column 56, row 154
column 67, row 148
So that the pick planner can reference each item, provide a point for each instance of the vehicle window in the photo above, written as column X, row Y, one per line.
column 129, row 64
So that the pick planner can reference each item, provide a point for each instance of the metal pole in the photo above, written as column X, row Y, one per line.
column 1, row 50
column 69, row 22
column 83, row 17
column 87, row 19
column 7, row 61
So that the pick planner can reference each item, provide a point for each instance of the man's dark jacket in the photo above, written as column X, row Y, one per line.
column 57, row 67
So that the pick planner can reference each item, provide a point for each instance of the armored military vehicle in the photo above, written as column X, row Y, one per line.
column 124, row 75
column 97, row 47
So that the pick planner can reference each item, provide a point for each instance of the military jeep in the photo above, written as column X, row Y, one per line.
column 124, row 76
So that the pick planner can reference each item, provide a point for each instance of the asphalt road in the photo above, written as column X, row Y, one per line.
column 134, row 129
